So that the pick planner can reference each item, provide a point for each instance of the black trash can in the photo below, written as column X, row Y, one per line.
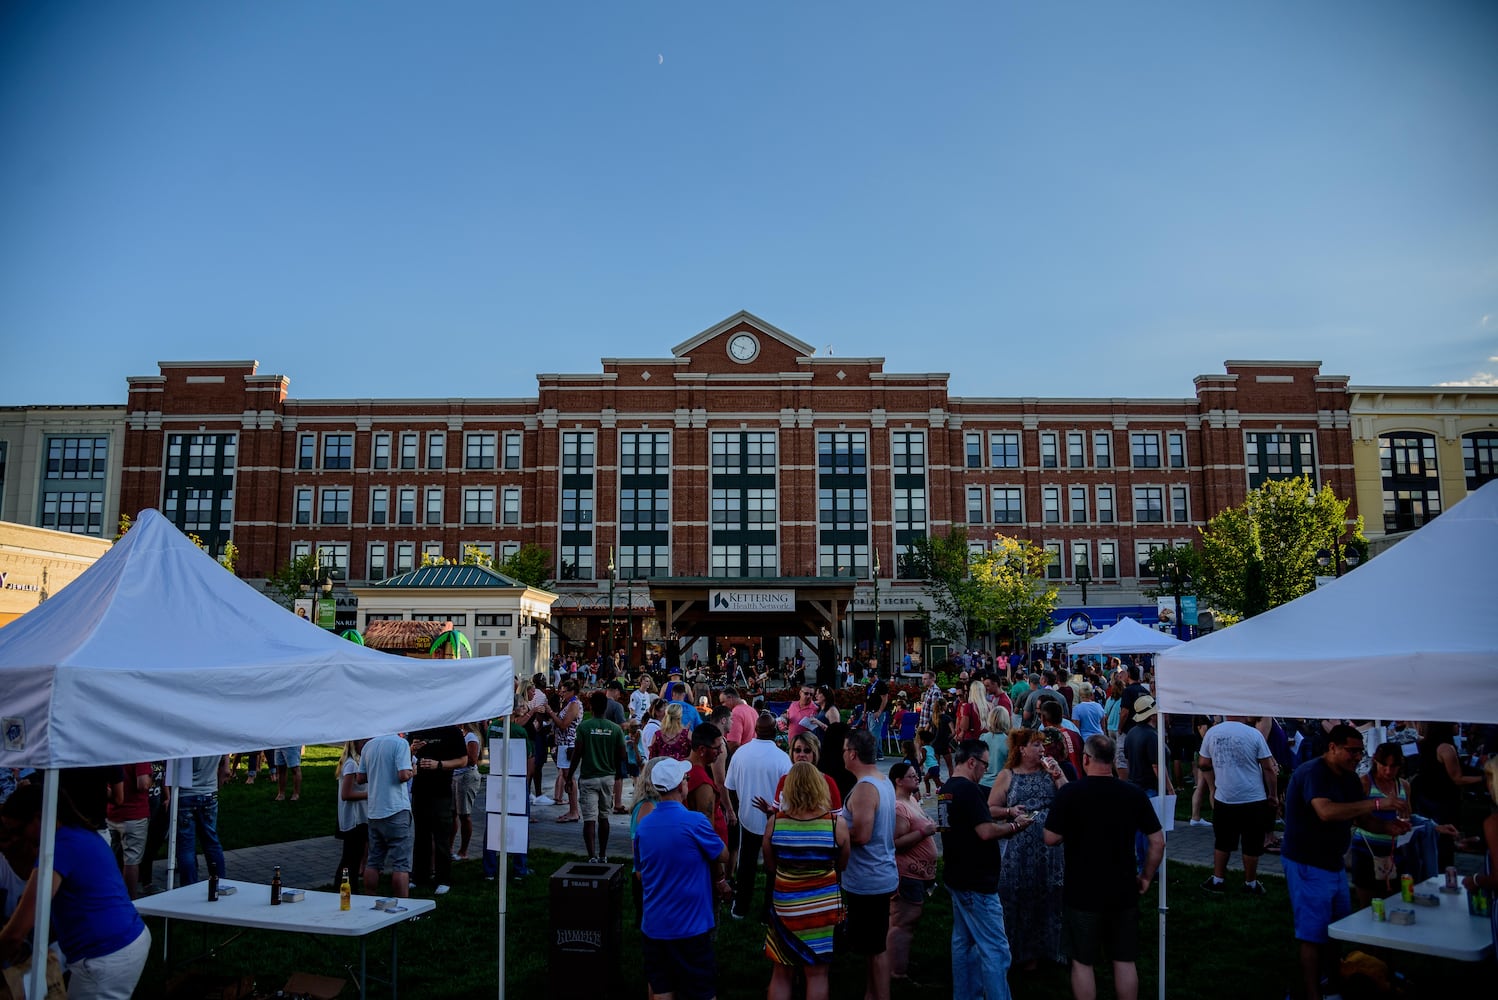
column 587, row 928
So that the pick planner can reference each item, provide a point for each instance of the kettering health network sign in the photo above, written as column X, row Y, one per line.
column 751, row 600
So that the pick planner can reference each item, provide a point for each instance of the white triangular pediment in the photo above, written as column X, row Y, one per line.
column 739, row 319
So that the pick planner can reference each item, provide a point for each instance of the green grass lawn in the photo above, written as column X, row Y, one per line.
column 1221, row 948
column 249, row 816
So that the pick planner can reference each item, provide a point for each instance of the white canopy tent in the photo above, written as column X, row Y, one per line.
column 1057, row 635
column 1412, row 634
column 157, row 652
column 1126, row 636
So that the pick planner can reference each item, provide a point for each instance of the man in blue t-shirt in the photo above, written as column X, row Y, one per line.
column 675, row 849
column 385, row 770
column 1324, row 800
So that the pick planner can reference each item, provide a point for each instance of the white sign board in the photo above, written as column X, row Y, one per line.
column 518, row 759
column 500, row 793
column 751, row 600
column 505, row 791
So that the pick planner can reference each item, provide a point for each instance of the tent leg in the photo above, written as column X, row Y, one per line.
column 36, row 985
column 504, row 854
column 1162, row 767
column 173, row 818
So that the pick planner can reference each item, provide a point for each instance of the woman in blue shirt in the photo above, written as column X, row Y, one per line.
column 100, row 934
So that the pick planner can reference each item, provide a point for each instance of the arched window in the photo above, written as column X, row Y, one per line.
column 1412, row 489
column 1480, row 457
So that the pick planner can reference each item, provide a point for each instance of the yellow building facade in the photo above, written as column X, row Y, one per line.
column 35, row 563
column 1417, row 450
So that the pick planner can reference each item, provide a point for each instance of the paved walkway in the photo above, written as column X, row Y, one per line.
column 310, row 863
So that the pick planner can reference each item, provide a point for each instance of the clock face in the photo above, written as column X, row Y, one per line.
column 743, row 347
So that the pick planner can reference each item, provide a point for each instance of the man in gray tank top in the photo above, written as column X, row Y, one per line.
column 871, row 876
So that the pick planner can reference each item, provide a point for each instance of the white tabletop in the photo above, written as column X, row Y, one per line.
column 250, row 906
column 1446, row 931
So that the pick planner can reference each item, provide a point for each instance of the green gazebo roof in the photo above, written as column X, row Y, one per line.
column 435, row 577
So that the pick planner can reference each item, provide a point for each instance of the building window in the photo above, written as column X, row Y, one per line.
column 75, row 512
column 645, row 504
column 1107, row 560
column 1076, row 450
column 376, row 565
column 1053, row 568
column 512, row 451
column 1003, row 448
column 1142, row 553
column 644, row 453
column 405, row 557
column 1048, row 456
column 577, row 453
column 908, row 457
column 306, row 451
column 336, row 504
column 1149, row 505
column 743, row 497
column 381, row 452
column 478, row 451
column 494, row 621
column 300, row 550
column 1176, row 446
column 975, row 505
column 1105, row 504
column 974, row 450
column 843, row 509
column 511, row 509
column 436, row 451
column 1081, row 555
column 577, row 510
column 1050, row 504
column 1278, row 455
column 507, row 551
column 198, row 482
column 406, row 505
column 379, row 505
column 1180, row 504
column 1078, row 504
column 79, row 457
column 1145, row 449
column 910, row 511
column 842, row 453
column 303, row 508
column 338, row 451
column 431, row 554
column 333, row 558
column 434, row 505
column 1102, row 449
column 408, row 450
column 478, row 505
column 843, row 560
column 1008, row 505
column 1412, row 491
column 577, row 562
column 641, row 562
column 908, row 452
column 1479, row 458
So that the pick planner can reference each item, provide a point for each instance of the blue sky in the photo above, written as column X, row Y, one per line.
column 443, row 199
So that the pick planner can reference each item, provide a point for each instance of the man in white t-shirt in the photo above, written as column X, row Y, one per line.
column 753, row 773
column 1244, row 804
column 385, row 770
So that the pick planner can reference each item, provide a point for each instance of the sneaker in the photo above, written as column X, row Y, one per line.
column 1214, row 885
column 1254, row 888
column 735, row 914
column 441, row 890
column 1201, row 822
column 546, row 800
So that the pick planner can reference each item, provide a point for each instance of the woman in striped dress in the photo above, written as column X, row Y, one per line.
column 806, row 845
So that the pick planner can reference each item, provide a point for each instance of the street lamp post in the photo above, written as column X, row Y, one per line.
column 629, row 625
column 1083, row 574
column 1338, row 554
column 878, row 639
column 609, row 639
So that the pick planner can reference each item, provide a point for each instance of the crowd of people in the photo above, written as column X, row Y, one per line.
column 1037, row 785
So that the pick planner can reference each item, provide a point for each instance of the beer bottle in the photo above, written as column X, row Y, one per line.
column 212, row 886
column 345, row 891
column 275, row 887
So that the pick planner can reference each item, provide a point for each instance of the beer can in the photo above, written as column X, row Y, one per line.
column 1477, row 903
column 1407, row 888
column 1451, row 878
column 1378, row 911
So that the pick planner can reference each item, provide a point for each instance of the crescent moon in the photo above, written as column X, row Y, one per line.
column 661, row 60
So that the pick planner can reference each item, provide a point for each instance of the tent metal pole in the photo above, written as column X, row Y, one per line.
column 174, row 816
column 504, row 854
column 1161, row 764
column 42, row 913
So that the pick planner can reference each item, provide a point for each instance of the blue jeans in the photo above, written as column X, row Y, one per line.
column 198, row 814
column 1141, row 842
column 876, row 722
column 980, row 951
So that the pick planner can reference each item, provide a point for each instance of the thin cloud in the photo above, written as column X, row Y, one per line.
column 1477, row 379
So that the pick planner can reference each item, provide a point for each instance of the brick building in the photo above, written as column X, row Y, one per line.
column 742, row 454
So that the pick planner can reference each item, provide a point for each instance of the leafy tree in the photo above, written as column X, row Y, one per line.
column 942, row 562
column 475, row 556
column 1262, row 553
column 530, row 564
column 284, row 586
column 1012, row 589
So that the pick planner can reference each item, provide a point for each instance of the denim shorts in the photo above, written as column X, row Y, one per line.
column 391, row 838
column 289, row 757
column 1318, row 898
